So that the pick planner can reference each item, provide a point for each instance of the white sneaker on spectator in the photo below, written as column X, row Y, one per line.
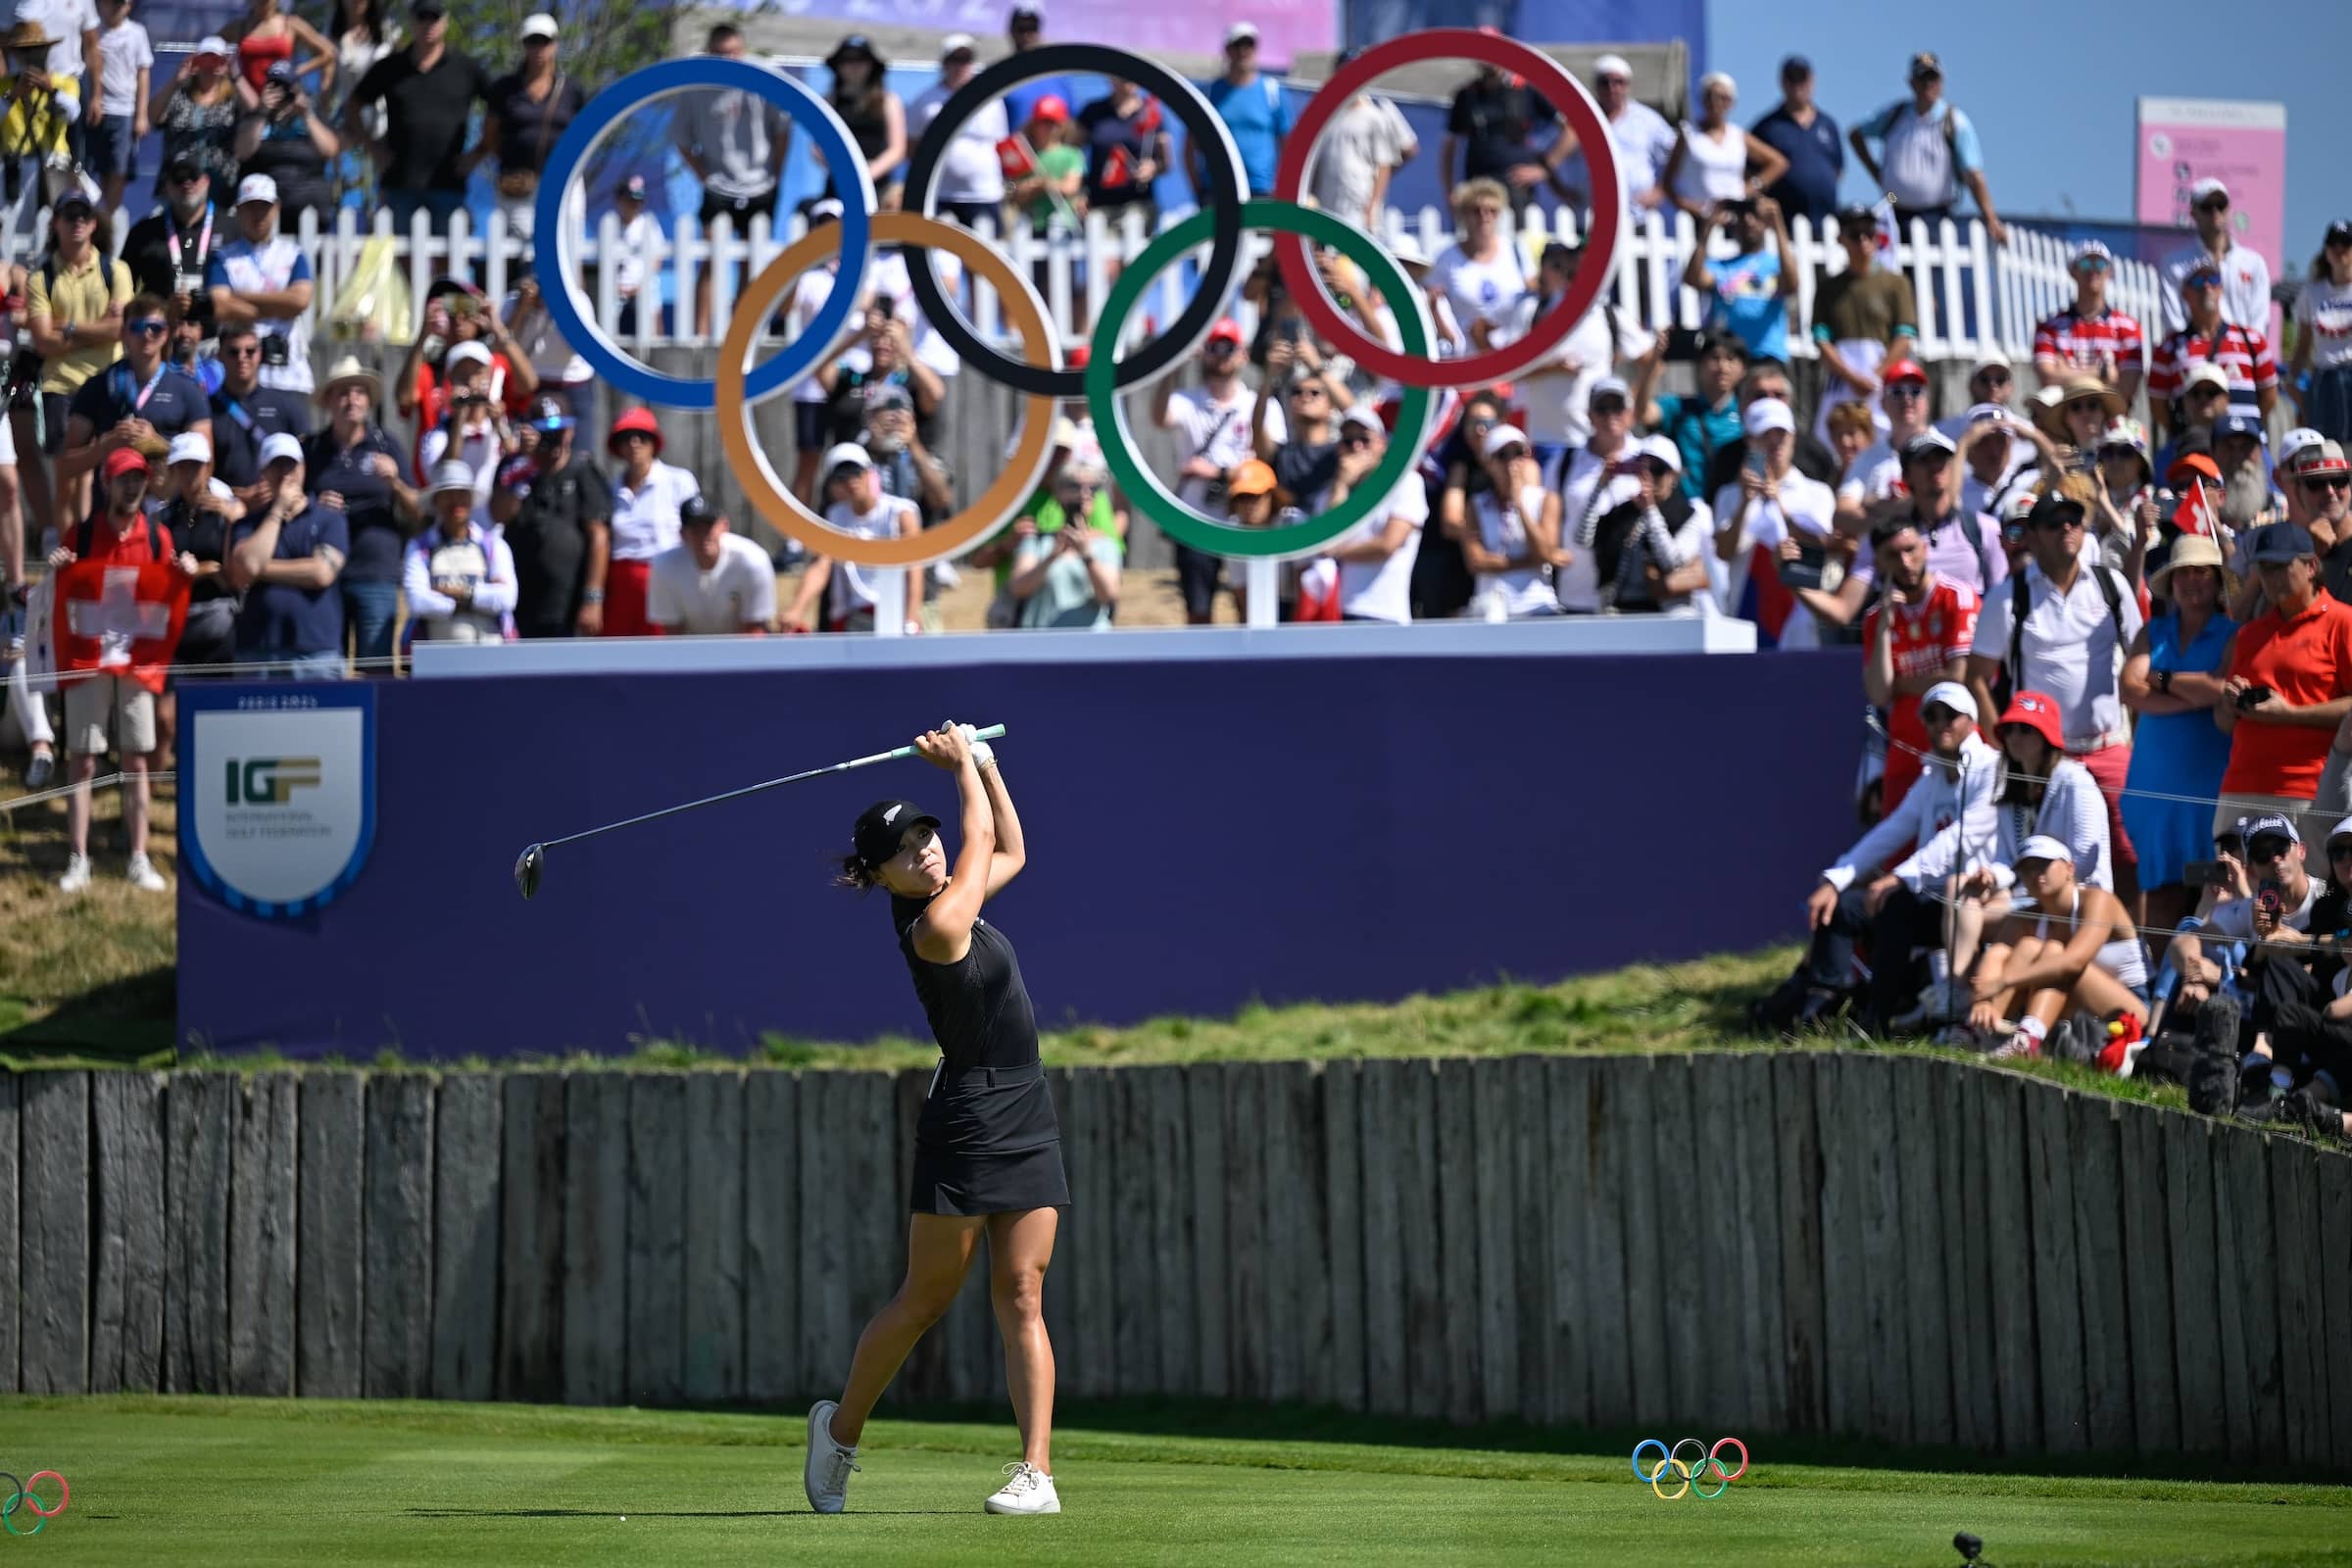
column 78, row 875
column 144, row 876
column 825, row 1476
column 1029, row 1490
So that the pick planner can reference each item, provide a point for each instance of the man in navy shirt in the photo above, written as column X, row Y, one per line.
column 139, row 401
column 285, row 559
column 246, row 413
column 1808, row 138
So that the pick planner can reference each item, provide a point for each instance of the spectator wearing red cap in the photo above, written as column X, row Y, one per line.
column 1212, row 424
column 1872, row 479
column 647, row 496
column 2243, row 276
column 2324, row 337
column 2091, row 337
column 1916, row 636
column 1047, row 172
column 2289, row 685
column 2172, row 682
column 2243, row 352
column 119, row 533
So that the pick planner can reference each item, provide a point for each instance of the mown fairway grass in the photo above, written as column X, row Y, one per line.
column 254, row 1481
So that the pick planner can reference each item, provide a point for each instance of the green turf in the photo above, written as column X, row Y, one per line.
column 249, row 1482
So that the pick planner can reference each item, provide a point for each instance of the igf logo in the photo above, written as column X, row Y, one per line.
column 269, row 780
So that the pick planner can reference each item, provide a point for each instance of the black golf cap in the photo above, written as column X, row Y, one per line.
column 883, row 827
column 697, row 514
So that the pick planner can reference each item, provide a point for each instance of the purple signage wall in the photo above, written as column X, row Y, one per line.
column 1202, row 835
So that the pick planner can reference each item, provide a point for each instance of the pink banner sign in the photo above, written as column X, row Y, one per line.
column 1286, row 29
column 2243, row 145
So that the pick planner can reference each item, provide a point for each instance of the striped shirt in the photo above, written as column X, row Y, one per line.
column 2243, row 354
column 2077, row 341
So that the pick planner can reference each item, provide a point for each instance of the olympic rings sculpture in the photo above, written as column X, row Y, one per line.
column 1225, row 216
column 21, row 1498
column 1693, row 1475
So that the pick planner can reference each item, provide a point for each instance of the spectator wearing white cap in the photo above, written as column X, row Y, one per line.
column 1376, row 557
column 1944, row 828
column 198, row 511
column 1773, row 529
column 971, row 177
column 1513, row 535
column 459, row 577
column 1649, row 554
column 856, row 504
column 2091, row 337
column 1929, row 150
column 284, row 559
column 1595, row 480
column 526, row 113
column 638, row 231
column 474, row 429
column 2076, row 950
column 1211, row 426
column 712, row 582
column 1642, row 138
column 1990, row 439
column 1862, row 317
column 1710, row 163
column 2243, row 276
column 263, row 278
column 1963, row 544
column 1253, row 109
column 2324, row 337
column 1367, row 142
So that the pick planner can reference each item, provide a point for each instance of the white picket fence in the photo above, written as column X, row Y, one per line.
column 1970, row 292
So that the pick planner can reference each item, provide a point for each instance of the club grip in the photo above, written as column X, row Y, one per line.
column 994, row 732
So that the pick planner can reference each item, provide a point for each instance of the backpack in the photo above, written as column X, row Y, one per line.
column 2020, row 603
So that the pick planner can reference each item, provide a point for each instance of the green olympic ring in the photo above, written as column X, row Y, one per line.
column 1143, row 489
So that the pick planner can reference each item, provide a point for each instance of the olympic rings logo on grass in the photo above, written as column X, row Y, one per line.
column 1225, row 214
column 20, row 1499
column 1693, row 1475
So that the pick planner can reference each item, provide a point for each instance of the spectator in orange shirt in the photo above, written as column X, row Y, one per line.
column 2289, row 685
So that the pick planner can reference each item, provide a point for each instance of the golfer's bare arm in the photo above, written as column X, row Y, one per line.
column 1013, row 851
column 944, row 935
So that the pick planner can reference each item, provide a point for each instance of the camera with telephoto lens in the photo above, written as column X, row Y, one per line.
column 275, row 349
column 24, row 378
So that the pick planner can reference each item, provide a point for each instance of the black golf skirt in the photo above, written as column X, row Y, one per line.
column 988, row 1143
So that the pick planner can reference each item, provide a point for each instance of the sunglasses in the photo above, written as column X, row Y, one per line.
column 1510, row 453
column 2201, row 281
column 2207, row 391
column 1936, row 716
column 1356, row 438
column 241, row 350
column 2014, row 533
column 626, row 437
column 2270, row 847
column 2213, row 204
column 1906, row 389
column 2321, row 484
column 2095, row 264
column 1223, row 345
column 1608, row 405
column 2059, row 525
column 147, row 324
column 1993, row 377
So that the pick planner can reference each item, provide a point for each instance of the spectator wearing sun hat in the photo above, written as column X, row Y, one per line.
column 2245, row 278
column 459, row 577
column 2091, row 337
column 2173, row 679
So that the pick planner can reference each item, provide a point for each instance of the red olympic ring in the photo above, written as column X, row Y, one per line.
column 1564, row 92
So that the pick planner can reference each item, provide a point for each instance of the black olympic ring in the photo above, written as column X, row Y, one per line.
column 1223, row 199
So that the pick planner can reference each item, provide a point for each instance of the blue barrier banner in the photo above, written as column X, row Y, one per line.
column 1202, row 834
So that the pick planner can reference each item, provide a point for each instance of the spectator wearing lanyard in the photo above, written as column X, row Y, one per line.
column 263, row 278
column 1963, row 544
column 353, row 469
column 647, row 496
column 1253, row 109
column 138, row 402
column 246, row 413
column 2289, row 685
column 1708, row 419
column 285, row 561
column 2242, row 353
column 556, row 507
column 170, row 249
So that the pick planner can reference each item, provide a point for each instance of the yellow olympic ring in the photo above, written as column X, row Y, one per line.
column 783, row 510
column 1680, row 1469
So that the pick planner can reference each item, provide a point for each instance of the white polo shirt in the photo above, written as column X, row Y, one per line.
column 738, row 594
column 2070, row 650
column 2245, row 286
column 1383, row 590
column 645, row 520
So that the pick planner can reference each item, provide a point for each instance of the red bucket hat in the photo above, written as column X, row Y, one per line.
column 2038, row 714
column 639, row 420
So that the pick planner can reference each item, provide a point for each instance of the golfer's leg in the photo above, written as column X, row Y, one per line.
column 1019, row 1247
column 939, row 1249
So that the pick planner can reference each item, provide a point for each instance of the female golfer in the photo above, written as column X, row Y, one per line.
column 988, row 1149
column 2033, row 976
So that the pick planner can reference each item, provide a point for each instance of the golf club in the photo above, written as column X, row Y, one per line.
column 532, row 863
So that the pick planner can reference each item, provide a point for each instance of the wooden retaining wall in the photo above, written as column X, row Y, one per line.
column 1900, row 1247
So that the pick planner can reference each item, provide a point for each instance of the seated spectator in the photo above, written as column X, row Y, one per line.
column 1649, row 552
column 856, row 504
column 1710, row 163
column 1930, row 149
column 1871, row 483
column 247, row 413
column 459, row 577
column 1773, row 529
column 139, row 402
column 1375, row 558
column 2324, row 338
column 648, row 498
column 285, row 559
column 2242, row 353
column 1863, row 318
column 1916, row 637
column 2296, row 1067
column 2173, row 682
column 1748, row 295
column 120, row 533
column 1948, row 821
column 1127, row 150
column 1708, row 419
column 1071, row 576
column 2289, row 685
column 286, row 142
column 198, row 511
column 354, row 469
column 170, row 249
column 555, row 505
column 1769, row 379
column 712, row 583
column 263, row 278
column 2091, row 337
column 2049, row 965
column 1481, row 275
column 1513, row 539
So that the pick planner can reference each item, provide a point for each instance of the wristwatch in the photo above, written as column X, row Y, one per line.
column 2162, row 680
column 593, row 595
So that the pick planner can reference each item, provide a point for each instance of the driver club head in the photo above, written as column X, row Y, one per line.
column 528, row 867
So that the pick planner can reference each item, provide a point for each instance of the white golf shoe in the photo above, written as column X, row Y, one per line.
column 826, row 1476
column 1029, row 1490
column 78, row 875
column 145, row 877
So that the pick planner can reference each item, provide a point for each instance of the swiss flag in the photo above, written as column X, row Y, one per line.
column 120, row 620
column 1015, row 158
column 1120, row 170
column 2195, row 514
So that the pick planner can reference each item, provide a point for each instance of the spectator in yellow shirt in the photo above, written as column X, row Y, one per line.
column 73, row 308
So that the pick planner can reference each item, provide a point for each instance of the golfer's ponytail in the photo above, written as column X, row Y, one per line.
column 852, row 873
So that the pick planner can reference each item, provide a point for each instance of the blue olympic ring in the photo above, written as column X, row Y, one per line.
column 555, row 263
column 1690, row 1475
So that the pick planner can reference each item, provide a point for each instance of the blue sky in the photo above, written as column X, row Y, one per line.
column 2055, row 107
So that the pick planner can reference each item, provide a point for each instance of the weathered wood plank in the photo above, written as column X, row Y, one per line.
column 1380, row 1116
column 1416, row 1177
column 330, row 1218
column 1962, row 1161
column 2011, row 1198
column 201, row 1109
column 1756, row 1174
column 1094, row 1190
column 1204, row 1097
column 924, row 1375
column 530, row 1234
column 1867, row 1084
column 2302, row 1334
column 55, row 1230
column 2243, row 1189
column 1246, row 1227
column 2096, row 1146
column 1168, row 1152
column 2198, row 1357
column 467, row 1117
column 1528, row 1100
column 1798, row 1167
column 1845, row 1307
column 2147, row 1283
column 396, row 1334
column 2335, row 1293
column 824, row 1235
column 1300, row 1278
column 1577, row 1296
column 12, row 1280
column 657, row 1237
column 1457, row 1219
column 126, row 1124
column 263, row 1158
column 2235, row 1254
column 1135, row 1283
column 868, row 1155
column 714, row 1269
column 1725, row 1358
column 1608, row 1296
column 1494, row 1138
column 1921, row 1126
column 1682, row 1262
column 773, row 1368
column 596, row 1238
column 1344, row 1227
column 2057, row 1285
column 1632, row 1114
